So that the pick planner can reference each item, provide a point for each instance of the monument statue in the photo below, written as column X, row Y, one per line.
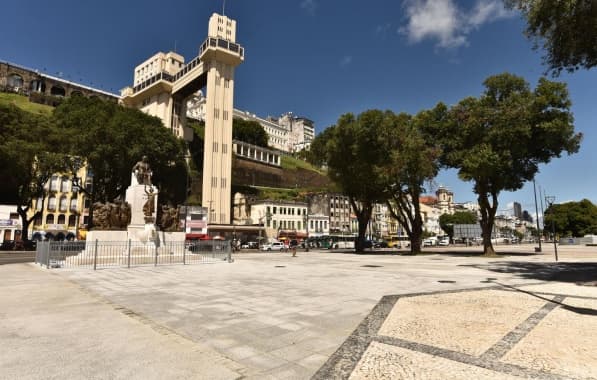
column 143, row 171
column 169, row 220
column 149, row 204
column 111, row 216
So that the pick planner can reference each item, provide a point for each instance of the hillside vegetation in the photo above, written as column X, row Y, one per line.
column 23, row 103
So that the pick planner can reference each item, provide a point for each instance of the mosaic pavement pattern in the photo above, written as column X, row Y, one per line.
column 541, row 331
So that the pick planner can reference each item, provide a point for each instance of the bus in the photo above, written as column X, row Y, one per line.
column 398, row 241
column 341, row 241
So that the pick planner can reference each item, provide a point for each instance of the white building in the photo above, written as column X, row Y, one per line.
column 288, row 133
column 10, row 223
column 282, row 218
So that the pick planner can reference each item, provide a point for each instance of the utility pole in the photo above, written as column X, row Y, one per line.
column 537, row 249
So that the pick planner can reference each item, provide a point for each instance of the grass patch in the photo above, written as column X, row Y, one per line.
column 277, row 194
column 23, row 103
column 288, row 162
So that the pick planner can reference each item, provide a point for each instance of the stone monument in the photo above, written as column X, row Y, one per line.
column 142, row 195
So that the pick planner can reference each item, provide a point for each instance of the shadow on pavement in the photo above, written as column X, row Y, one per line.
column 574, row 309
column 578, row 272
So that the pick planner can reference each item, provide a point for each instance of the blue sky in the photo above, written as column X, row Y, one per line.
column 316, row 58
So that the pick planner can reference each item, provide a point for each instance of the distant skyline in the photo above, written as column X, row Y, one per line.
column 318, row 59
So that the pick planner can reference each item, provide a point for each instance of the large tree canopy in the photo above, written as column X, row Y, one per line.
column 498, row 140
column 28, row 158
column 249, row 131
column 575, row 219
column 111, row 138
column 353, row 159
column 409, row 161
column 566, row 30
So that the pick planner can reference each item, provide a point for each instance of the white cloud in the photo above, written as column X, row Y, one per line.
column 309, row 5
column 488, row 11
column 346, row 60
column 443, row 21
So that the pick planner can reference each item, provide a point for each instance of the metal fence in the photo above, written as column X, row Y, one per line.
column 96, row 254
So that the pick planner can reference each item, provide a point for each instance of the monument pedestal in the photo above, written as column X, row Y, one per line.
column 143, row 200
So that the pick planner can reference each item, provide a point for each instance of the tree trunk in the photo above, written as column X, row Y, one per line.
column 360, row 245
column 487, row 220
column 417, row 226
column 24, row 223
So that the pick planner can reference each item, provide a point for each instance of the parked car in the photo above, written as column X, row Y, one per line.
column 444, row 242
column 380, row 244
column 275, row 246
column 428, row 243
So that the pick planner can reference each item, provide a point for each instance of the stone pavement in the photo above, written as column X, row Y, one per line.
column 273, row 316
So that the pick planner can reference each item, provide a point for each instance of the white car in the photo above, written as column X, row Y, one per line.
column 444, row 242
column 275, row 246
column 428, row 243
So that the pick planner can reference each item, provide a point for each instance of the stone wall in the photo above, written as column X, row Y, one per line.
column 43, row 88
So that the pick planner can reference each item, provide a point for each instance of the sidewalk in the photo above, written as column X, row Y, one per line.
column 52, row 329
column 323, row 314
column 543, row 331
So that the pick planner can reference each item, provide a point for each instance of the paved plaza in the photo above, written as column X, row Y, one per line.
column 446, row 315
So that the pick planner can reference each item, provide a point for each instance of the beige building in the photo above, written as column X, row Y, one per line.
column 164, row 84
column 64, row 209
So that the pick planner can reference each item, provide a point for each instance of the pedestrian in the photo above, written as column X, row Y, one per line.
column 293, row 250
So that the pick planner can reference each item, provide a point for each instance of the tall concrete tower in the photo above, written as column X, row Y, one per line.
column 219, row 56
column 164, row 83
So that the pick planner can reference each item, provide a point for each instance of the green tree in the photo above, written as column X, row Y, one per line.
column 26, row 160
column 408, row 161
column 447, row 221
column 575, row 219
column 317, row 153
column 566, row 30
column 498, row 140
column 353, row 159
column 111, row 138
column 249, row 131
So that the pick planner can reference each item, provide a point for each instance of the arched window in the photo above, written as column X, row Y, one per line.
column 15, row 81
column 72, row 220
column 58, row 91
column 38, row 220
column 37, row 85
column 63, row 204
column 50, row 219
column 52, row 203
column 61, row 219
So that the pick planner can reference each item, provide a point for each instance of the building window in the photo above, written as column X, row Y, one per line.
column 72, row 220
column 54, row 183
column 52, row 203
column 275, row 210
column 223, row 183
column 73, row 204
column 62, row 206
column 214, row 181
column 275, row 223
column 215, row 147
column 15, row 81
column 61, row 219
column 50, row 219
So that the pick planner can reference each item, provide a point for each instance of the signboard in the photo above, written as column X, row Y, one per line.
column 467, row 231
column 7, row 222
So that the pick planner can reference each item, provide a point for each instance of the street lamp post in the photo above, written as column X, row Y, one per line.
column 550, row 199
